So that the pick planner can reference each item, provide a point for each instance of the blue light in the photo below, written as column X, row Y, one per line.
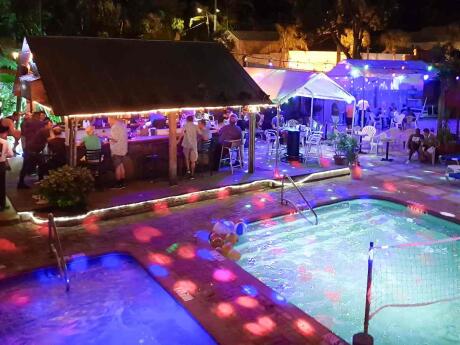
column 250, row 290
column 158, row 271
column 247, row 206
column 205, row 254
column 202, row 235
column 111, row 261
column 278, row 299
column 79, row 265
column 366, row 67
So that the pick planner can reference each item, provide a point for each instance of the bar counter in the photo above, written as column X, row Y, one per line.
column 139, row 148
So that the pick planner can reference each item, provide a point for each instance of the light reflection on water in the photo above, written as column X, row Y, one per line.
column 112, row 300
column 322, row 269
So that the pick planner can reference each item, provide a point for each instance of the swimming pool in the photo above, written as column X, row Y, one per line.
column 112, row 300
column 323, row 269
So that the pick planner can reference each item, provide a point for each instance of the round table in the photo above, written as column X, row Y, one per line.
column 387, row 141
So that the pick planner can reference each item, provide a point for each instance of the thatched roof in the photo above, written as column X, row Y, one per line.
column 96, row 75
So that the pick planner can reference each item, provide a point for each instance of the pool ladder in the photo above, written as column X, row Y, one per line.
column 285, row 201
column 55, row 247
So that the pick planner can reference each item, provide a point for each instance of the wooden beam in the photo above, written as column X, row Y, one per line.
column 172, row 119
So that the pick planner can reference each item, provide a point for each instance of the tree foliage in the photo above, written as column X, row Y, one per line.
column 394, row 40
column 349, row 23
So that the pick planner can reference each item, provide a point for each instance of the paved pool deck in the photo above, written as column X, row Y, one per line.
column 220, row 304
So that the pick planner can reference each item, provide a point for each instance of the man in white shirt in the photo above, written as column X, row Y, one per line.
column 190, row 145
column 5, row 153
column 118, row 149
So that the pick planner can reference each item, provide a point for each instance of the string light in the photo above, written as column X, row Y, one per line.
column 165, row 110
column 145, row 206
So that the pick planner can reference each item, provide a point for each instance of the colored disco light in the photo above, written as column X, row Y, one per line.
column 304, row 327
column 7, row 245
column 158, row 271
column 160, row 259
column 205, row 254
column 247, row 302
column 90, row 224
column 186, row 251
column 250, row 290
column 144, row 234
column 223, row 275
column 224, row 310
column 161, row 208
column 186, row 285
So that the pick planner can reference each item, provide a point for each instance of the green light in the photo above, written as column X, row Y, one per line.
column 172, row 248
column 430, row 68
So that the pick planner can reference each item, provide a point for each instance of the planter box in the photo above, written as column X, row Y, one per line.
column 340, row 160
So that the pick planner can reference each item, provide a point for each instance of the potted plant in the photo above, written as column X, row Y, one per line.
column 340, row 142
column 67, row 187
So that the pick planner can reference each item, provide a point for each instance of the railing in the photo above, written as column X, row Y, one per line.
column 285, row 201
column 55, row 247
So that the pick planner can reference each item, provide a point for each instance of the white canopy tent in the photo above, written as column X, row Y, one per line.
column 281, row 85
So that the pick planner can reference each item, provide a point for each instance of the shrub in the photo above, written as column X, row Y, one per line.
column 67, row 187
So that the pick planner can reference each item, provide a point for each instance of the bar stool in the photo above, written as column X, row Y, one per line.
column 149, row 164
column 232, row 146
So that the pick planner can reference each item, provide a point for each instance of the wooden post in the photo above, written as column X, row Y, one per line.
column 252, row 143
column 172, row 119
column 72, row 142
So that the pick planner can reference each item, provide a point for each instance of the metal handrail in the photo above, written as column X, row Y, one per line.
column 55, row 247
column 285, row 201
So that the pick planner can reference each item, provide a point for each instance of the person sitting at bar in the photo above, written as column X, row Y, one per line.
column 429, row 144
column 90, row 140
column 414, row 143
column 118, row 149
column 205, row 133
column 227, row 133
column 57, row 149
column 189, row 138
column 275, row 124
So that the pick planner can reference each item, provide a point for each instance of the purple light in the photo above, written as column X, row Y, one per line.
column 457, row 78
column 205, row 254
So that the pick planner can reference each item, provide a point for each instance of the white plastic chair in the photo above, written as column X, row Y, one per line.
column 313, row 146
column 369, row 133
column 397, row 120
column 233, row 147
column 271, row 136
column 292, row 123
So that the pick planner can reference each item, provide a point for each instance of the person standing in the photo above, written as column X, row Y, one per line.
column 190, row 145
column 5, row 153
column 29, row 128
column 118, row 149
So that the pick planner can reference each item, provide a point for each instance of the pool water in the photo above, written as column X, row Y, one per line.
column 112, row 300
column 323, row 269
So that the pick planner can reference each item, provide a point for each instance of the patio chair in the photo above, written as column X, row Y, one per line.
column 292, row 123
column 271, row 136
column 312, row 148
column 397, row 120
column 205, row 154
column 369, row 133
column 93, row 161
column 232, row 147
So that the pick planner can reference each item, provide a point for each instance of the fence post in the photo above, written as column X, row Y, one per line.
column 365, row 338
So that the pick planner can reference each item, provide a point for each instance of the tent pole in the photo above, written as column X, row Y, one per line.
column 252, row 143
column 353, row 117
column 277, row 143
column 311, row 112
column 172, row 119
